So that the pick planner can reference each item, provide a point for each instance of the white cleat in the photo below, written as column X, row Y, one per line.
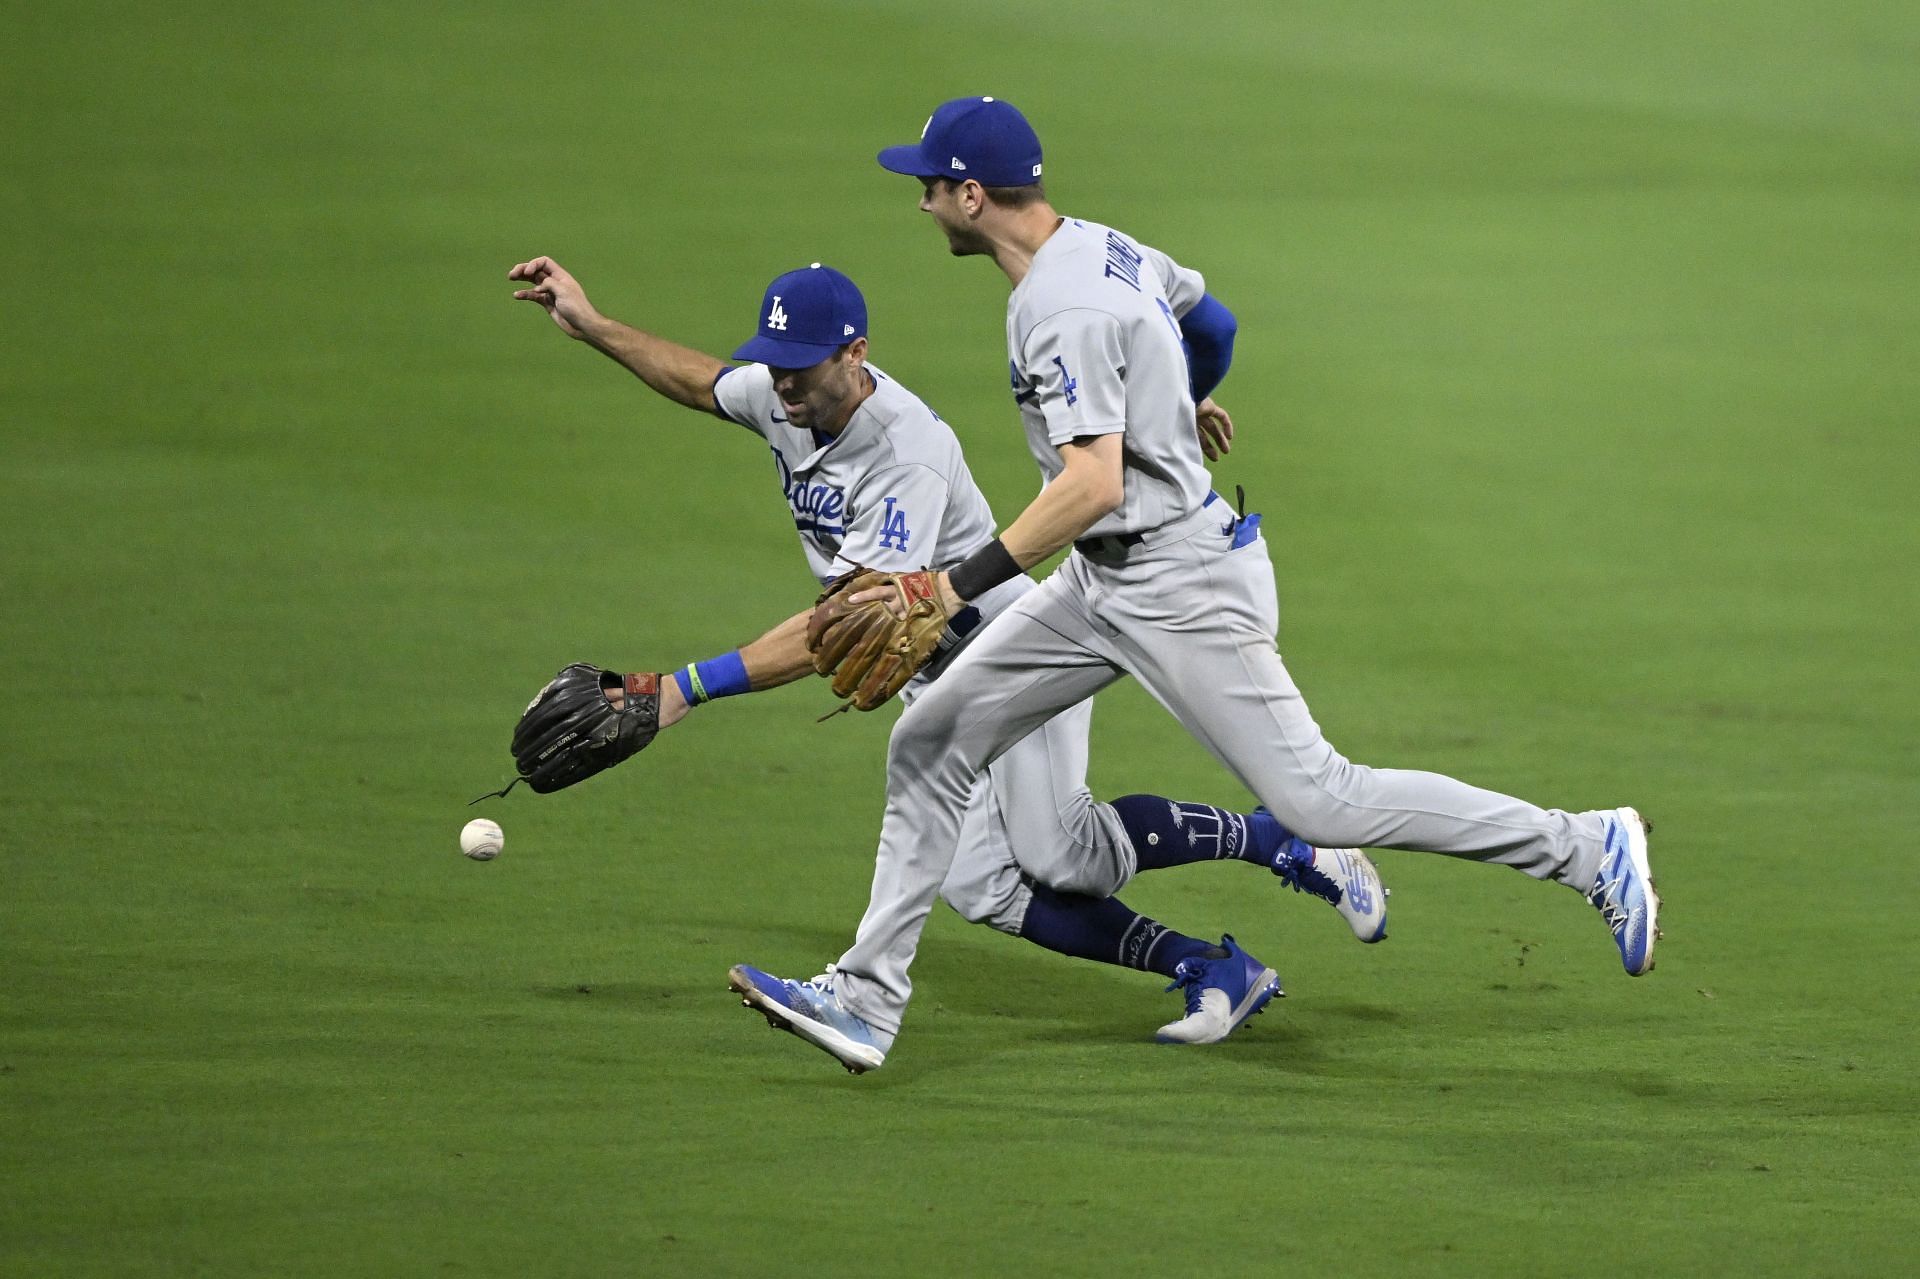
column 1221, row 993
column 1343, row 876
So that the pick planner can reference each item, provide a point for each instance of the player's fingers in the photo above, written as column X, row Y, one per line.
column 881, row 594
column 543, row 296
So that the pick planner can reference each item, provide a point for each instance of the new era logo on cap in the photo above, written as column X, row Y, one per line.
column 986, row 139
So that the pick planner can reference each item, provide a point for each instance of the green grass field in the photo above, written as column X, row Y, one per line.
column 1576, row 377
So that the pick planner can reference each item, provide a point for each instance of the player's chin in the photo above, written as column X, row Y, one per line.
column 964, row 247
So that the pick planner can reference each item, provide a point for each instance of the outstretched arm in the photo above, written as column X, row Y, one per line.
column 680, row 373
column 778, row 657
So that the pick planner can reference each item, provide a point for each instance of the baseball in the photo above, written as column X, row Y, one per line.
column 481, row 839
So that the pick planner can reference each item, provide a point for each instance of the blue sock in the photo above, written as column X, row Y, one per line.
column 1104, row 930
column 1166, row 832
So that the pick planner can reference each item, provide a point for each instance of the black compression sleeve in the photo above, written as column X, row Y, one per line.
column 983, row 570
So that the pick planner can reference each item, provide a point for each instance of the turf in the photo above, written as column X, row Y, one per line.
column 1576, row 378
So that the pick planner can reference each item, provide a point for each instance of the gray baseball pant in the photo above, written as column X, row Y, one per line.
column 1031, row 819
column 1191, row 616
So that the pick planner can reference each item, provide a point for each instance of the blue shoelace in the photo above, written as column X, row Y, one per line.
column 1303, row 876
column 1188, row 973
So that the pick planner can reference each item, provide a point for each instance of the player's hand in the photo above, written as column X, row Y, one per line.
column 1215, row 429
column 673, row 704
column 561, row 294
column 950, row 602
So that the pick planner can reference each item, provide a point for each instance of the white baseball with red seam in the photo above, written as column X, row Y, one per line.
column 482, row 839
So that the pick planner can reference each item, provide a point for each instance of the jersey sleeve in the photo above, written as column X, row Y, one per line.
column 743, row 395
column 1184, row 286
column 1078, row 365
column 897, row 515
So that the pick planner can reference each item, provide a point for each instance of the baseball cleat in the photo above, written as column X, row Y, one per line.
column 1623, row 891
column 1221, row 993
column 812, row 1010
column 1343, row 876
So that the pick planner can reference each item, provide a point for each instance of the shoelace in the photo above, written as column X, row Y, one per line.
column 1304, row 876
column 1188, row 973
column 1605, row 894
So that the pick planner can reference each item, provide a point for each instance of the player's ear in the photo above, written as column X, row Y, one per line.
column 973, row 198
column 857, row 350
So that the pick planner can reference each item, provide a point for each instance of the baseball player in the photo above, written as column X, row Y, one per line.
column 874, row 477
column 1164, row 584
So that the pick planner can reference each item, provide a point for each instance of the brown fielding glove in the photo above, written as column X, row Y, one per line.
column 870, row 653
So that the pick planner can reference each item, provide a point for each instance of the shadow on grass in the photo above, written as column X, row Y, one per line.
column 980, row 998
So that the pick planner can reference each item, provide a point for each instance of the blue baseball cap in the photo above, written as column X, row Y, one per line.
column 805, row 317
column 980, row 138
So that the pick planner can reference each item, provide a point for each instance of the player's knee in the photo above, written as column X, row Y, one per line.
column 994, row 908
column 923, row 755
column 922, row 734
column 1315, row 804
column 1080, row 819
column 1082, row 860
column 1088, row 876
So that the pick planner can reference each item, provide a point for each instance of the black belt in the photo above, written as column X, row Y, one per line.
column 1109, row 544
column 1113, row 543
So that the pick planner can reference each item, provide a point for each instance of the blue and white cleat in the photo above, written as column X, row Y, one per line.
column 1221, row 993
column 1623, row 890
column 1342, row 876
column 811, row 1010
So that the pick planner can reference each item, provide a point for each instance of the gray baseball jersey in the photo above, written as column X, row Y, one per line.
column 890, row 491
column 1094, row 338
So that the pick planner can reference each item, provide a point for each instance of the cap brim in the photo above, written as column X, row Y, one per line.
column 908, row 160
column 785, row 355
